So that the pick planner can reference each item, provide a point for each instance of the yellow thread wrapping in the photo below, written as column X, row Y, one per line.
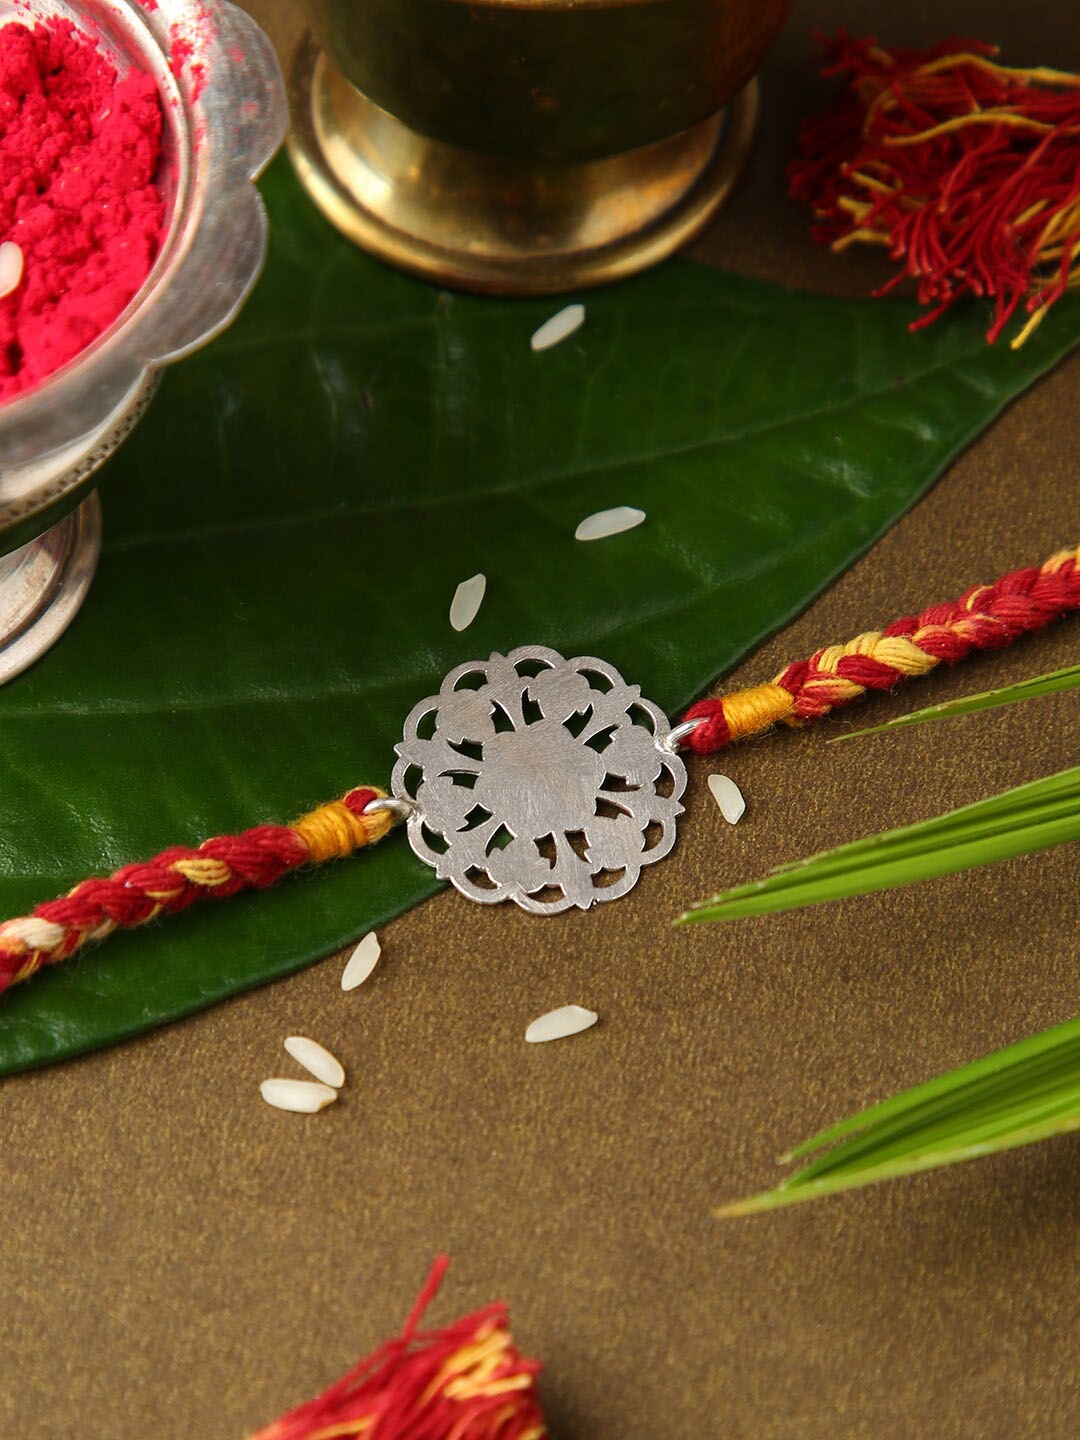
column 827, row 660
column 333, row 831
column 160, row 898
column 749, row 711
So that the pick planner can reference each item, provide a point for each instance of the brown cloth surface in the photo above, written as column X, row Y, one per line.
column 180, row 1260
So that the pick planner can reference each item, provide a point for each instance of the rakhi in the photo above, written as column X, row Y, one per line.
column 545, row 781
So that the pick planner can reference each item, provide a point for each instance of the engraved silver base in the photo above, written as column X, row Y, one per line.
column 545, row 781
column 42, row 585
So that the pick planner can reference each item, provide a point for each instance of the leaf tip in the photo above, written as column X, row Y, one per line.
column 751, row 1205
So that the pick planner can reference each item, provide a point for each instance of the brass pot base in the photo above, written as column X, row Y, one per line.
column 498, row 224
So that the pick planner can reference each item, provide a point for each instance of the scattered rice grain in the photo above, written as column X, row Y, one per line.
column 467, row 600
column 609, row 522
column 303, row 1097
column 556, row 329
column 361, row 962
column 316, row 1059
column 728, row 796
column 557, row 1024
column 11, row 267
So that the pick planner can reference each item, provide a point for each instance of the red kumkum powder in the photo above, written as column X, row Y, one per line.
column 79, row 151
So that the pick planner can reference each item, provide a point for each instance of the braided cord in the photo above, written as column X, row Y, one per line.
column 179, row 876
column 985, row 617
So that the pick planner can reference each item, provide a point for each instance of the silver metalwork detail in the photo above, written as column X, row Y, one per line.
column 540, row 780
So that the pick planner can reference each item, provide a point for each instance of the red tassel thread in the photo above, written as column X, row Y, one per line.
column 966, row 170
column 466, row 1382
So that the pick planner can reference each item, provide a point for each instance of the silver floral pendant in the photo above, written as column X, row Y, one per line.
column 545, row 781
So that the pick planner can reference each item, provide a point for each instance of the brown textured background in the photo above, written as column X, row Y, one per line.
column 179, row 1260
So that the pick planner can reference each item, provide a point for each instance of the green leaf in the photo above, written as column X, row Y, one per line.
column 1027, row 1092
column 1021, row 821
column 1051, row 683
column 286, row 528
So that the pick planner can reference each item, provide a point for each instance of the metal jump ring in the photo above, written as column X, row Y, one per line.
column 401, row 808
column 678, row 733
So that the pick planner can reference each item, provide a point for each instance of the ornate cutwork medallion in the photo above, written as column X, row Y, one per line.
column 545, row 781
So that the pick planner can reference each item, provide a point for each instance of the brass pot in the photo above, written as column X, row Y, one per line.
column 526, row 146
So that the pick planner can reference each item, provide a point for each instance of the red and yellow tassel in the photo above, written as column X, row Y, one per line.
column 966, row 170
column 466, row 1382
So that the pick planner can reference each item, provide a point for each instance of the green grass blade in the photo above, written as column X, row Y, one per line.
column 1049, row 684
column 1021, row 821
column 960, row 1126
column 837, row 1183
column 1052, row 1049
column 1006, row 807
column 892, row 847
column 1026, row 1092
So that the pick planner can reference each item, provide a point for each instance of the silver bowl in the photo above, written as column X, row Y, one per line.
column 225, row 116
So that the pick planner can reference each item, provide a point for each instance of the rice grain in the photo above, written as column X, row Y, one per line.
column 11, row 267
column 556, row 329
column 467, row 600
column 558, row 1024
column 361, row 962
column 316, row 1059
column 728, row 797
column 303, row 1097
column 609, row 522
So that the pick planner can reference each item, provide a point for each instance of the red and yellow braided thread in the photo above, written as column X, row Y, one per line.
column 178, row 876
column 986, row 617
column 466, row 1382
